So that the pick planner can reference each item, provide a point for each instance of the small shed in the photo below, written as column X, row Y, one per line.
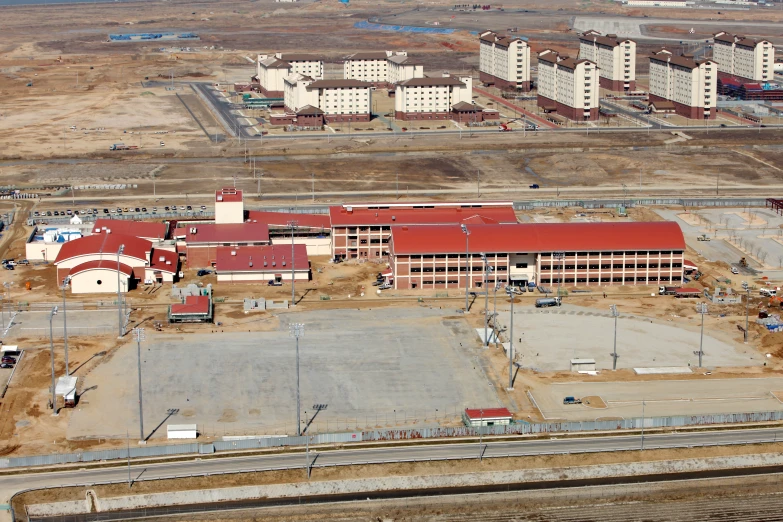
column 662, row 106
column 475, row 417
column 66, row 388
column 194, row 309
column 582, row 365
column 181, row 431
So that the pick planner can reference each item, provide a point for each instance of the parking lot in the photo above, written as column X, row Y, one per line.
column 660, row 398
column 551, row 337
column 80, row 322
column 371, row 368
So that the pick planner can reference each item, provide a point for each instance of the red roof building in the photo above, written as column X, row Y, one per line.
column 228, row 195
column 102, row 247
column 143, row 229
column 101, row 276
column 262, row 263
column 475, row 417
column 195, row 309
column 282, row 219
column 213, row 234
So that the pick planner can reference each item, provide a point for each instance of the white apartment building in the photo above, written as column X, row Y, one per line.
column 337, row 100
column 270, row 72
column 743, row 58
column 382, row 67
column 690, row 85
column 568, row 87
column 504, row 61
column 431, row 98
column 616, row 59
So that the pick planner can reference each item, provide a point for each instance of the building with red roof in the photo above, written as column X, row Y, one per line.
column 100, row 247
column 262, row 263
column 363, row 231
column 195, row 309
column 311, row 230
column 229, row 206
column 143, row 229
column 475, row 417
column 573, row 254
column 199, row 242
column 100, row 276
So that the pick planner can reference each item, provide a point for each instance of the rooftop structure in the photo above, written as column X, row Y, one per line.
column 229, row 206
column 143, row 229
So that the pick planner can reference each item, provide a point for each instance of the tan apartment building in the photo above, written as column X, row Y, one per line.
column 616, row 59
column 568, row 87
column 691, row 85
column 504, row 61
column 573, row 254
column 271, row 70
column 431, row 98
column 744, row 58
column 382, row 68
column 324, row 101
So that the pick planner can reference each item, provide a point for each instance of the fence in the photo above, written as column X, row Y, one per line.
column 632, row 202
column 521, row 428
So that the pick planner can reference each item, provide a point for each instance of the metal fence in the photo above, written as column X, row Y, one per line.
column 634, row 202
column 135, row 216
column 521, row 428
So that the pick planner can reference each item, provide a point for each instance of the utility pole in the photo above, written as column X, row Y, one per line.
column 747, row 309
column 642, row 424
column 701, row 308
column 559, row 256
column 495, row 311
column 65, row 326
column 51, row 352
column 120, row 325
column 511, row 293
column 481, row 432
column 297, row 331
column 312, row 175
column 486, row 300
column 467, row 266
column 293, row 224
column 138, row 334
column 397, row 189
column 615, row 314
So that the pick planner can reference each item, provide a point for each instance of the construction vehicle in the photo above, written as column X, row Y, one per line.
column 703, row 237
column 504, row 128
column 572, row 400
column 122, row 146
column 743, row 263
column 548, row 301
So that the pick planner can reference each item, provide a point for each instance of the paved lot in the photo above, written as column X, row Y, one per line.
column 551, row 337
column 403, row 363
column 661, row 398
column 80, row 322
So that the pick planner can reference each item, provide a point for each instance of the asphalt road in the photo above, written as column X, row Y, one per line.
column 9, row 484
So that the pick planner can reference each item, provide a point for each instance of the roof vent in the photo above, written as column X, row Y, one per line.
column 193, row 230
column 220, row 198
column 394, row 218
column 108, row 231
column 283, row 263
column 405, row 228
column 274, row 264
column 251, row 263
column 168, row 262
column 233, row 252
column 349, row 209
column 161, row 258
column 264, row 263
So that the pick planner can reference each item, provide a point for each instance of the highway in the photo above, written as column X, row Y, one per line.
column 9, row 484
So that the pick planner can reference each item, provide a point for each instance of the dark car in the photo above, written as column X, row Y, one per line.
column 203, row 272
column 143, row 209
column 534, row 186
column 166, row 208
column 6, row 365
column 9, row 360
column 272, row 282
column 105, row 210
column 8, row 267
column 190, row 207
column 23, row 262
column 137, row 209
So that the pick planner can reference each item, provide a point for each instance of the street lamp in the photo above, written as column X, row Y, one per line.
column 467, row 265
column 297, row 331
column 747, row 309
column 495, row 312
column 138, row 334
column 486, row 299
column 615, row 314
column 560, row 256
column 293, row 224
column 481, row 431
column 701, row 308
column 66, row 282
column 120, row 325
column 511, row 293
column 51, row 351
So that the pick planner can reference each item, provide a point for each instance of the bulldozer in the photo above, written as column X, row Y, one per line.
column 743, row 263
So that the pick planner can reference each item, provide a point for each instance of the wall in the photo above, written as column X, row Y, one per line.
column 87, row 282
column 316, row 246
column 33, row 251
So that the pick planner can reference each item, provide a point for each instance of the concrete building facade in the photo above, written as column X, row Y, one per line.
column 615, row 58
column 690, row 85
column 574, row 254
column 333, row 101
column 504, row 61
column 568, row 87
column 382, row 68
column 271, row 70
column 744, row 58
column 431, row 98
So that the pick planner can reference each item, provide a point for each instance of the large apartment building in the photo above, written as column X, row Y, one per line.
column 382, row 68
column 567, row 86
column 310, row 102
column 432, row 98
column 616, row 59
column 271, row 70
column 743, row 58
column 504, row 61
column 690, row 84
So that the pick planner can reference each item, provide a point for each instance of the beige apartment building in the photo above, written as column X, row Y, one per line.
column 616, row 59
column 743, row 58
column 271, row 70
column 382, row 68
column 326, row 101
column 431, row 98
column 504, row 61
column 690, row 84
column 568, row 87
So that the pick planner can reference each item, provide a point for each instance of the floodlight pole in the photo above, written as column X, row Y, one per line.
column 293, row 224
column 51, row 350
column 486, row 300
column 121, row 330
column 559, row 256
column 65, row 326
column 615, row 314
column 481, row 432
column 467, row 266
column 511, row 294
column 702, row 309
column 747, row 312
column 297, row 331
column 138, row 334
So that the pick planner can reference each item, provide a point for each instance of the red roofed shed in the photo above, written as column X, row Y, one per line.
column 195, row 309
column 475, row 417
column 262, row 263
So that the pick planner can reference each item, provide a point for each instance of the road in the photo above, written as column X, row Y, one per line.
column 10, row 484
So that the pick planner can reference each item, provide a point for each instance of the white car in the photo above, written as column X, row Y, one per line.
column 734, row 270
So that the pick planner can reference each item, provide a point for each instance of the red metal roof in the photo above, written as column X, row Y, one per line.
column 340, row 216
column 228, row 195
column 688, row 263
column 103, row 264
column 143, row 229
column 487, row 413
column 281, row 219
column 164, row 260
column 269, row 258
column 538, row 237
column 193, row 305
column 104, row 244
column 224, row 233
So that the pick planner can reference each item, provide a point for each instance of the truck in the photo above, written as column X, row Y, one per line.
column 703, row 237
column 122, row 146
column 667, row 290
column 768, row 292
column 572, row 400
column 503, row 127
column 548, row 301
column 686, row 293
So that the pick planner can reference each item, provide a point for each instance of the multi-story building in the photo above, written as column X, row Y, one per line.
column 363, row 231
column 574, row 254
column 431, row 98
column 382, row 68
column 504, row 61
column 324, row 101
column 691, row 85
column 271, row 70
column 616, row 59
column 743, row 58
column 567, row 86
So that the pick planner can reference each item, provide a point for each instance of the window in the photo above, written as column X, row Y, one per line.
column 521, row 265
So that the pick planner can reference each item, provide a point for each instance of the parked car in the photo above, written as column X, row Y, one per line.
column 9, row 360
column 203, row 272
column 23, row 262
column 534, row 186
column 36, row 213
column 377, row 282
column 166, row 208
column 8, row 267
column 272, row 282
column 190, row 208
column 384, row 286
column 6, row 365
column 9, row 262
column 203, row 207
column 137, row 209
column 143, row 209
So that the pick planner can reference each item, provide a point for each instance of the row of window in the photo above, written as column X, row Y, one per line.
column 437, row 269
column 571, row 280
column 613, row 266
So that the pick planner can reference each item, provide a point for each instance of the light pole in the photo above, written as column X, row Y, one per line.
column 297, row 331
column 486, row 300
column 481, row 432
column 293, row 224
column 702, row 309
column 467, row 265
column 138, row 334
column 615, row 314
column 51, row 350
column 747, row 309
column 560, row 256
column 495, row 312
column 511, row 293
column 120, row 326
column 65, row 326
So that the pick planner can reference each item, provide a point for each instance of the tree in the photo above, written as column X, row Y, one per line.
column 763, row 255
